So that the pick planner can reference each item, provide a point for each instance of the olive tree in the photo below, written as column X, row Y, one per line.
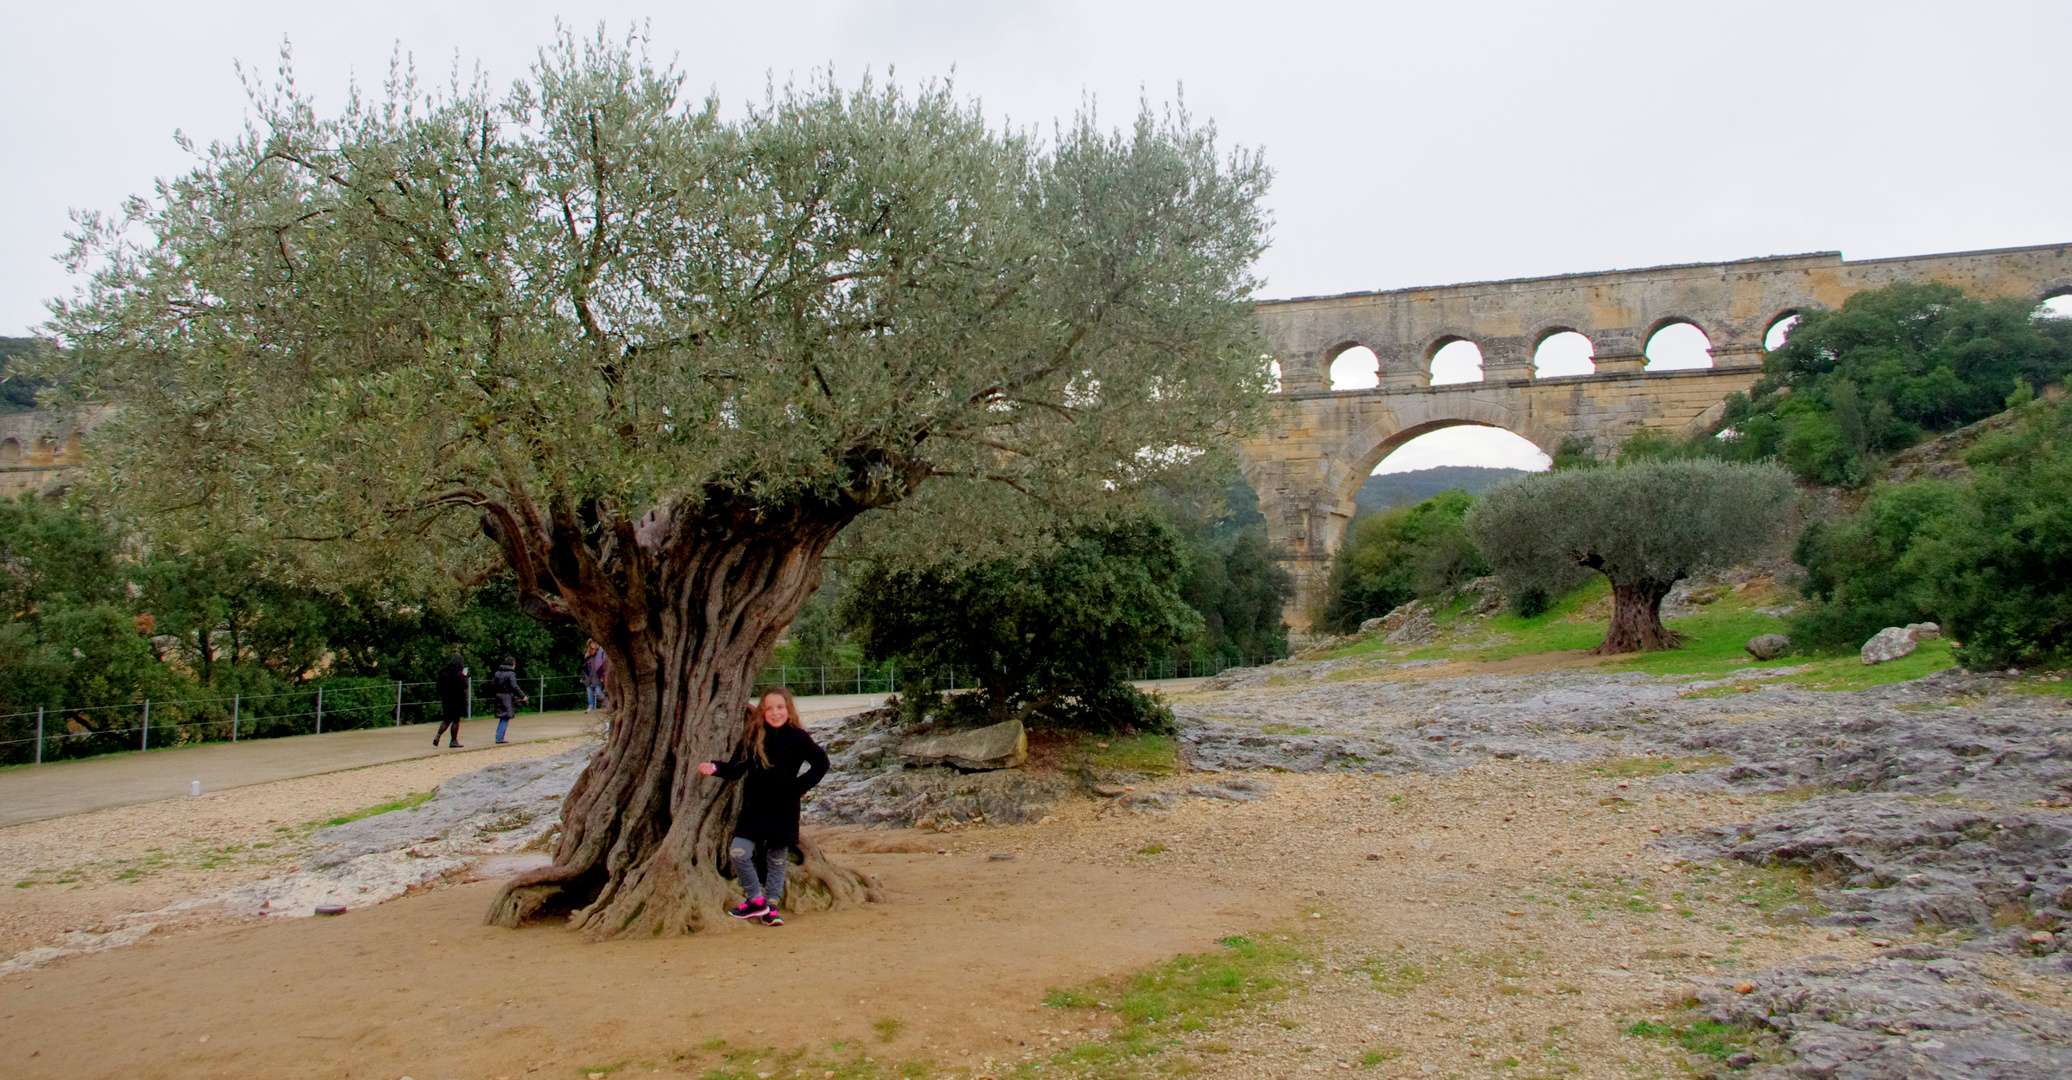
column 652, row 359
column 1644, row 527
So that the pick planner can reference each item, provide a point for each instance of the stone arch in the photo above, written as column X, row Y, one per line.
column 1356, row 458
column 1332, row 355
column 1714, row 335
column 1541, row 336
column 2052, row 289
column 1783, row 315
column 10, row 451
column 1433, row 347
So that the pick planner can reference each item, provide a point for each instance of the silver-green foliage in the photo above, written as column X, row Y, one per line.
column 1647, row 523
column 584, row 298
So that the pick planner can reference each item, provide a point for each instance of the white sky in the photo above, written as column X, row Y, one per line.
column 1415, row 143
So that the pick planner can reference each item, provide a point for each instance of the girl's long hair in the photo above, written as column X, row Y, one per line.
column 757, row 729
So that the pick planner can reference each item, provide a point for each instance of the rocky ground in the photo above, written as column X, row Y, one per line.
column 1555, row 872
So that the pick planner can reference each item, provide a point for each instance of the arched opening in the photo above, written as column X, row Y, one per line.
column 1356, row 368
column 1565, row 353
column 1457, row 361
column 2057, row 307
column 1679, row 346
column 10, row 451
column 1464, row 445
column 1773, row 338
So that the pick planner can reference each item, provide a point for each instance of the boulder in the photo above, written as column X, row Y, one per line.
column 1768, row 646
column 1924, row 631
column 1001, row 746
column 1489, row 595
column 1372, row 624
column 1890, row 643
column 1411, row 624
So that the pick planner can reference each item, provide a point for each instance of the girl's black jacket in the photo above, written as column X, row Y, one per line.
column 770, row 798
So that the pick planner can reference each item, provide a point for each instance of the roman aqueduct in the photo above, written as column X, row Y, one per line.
column 1321, row 444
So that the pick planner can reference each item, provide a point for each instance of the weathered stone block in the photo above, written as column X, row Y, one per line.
column 1001, row 746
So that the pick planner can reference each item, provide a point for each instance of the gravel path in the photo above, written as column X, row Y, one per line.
column 85, row 872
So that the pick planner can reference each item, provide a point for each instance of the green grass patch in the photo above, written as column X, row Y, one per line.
column 1705, row 1038
column 1159, row 1007
column 1285, row 729
column 887, row 1027
column 404, row 803
column 1146, row 753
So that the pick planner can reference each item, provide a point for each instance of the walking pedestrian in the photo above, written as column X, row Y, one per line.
column 596, row 665
column 773, row 748
column 503, row 687
column 453, row 697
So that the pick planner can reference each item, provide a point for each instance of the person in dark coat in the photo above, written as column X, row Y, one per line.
column 503, row 689
column 596, row 667
column 453, row 696
column 772, row 750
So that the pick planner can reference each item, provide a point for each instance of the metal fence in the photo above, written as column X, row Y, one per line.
column 55, row 733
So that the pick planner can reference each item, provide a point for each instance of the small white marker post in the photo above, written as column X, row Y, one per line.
column 194, row 790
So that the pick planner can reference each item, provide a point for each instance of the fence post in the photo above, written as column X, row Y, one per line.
column 320, row 710
column 399, row 703
column 543, row 693
column 471, row 697
column 237, row 702
column 39, row 734
column 145, row 744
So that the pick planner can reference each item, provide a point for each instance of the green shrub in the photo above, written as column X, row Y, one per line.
column 1862, row 571
column 1395, row 556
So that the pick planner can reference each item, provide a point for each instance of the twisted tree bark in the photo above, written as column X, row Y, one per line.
column 690, row 614
column 1637, row 620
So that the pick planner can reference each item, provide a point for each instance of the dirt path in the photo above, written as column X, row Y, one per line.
column 957, row 960
column 1508, row 914
column 83, row 872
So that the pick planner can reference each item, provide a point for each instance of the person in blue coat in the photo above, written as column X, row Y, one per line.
column 772, row 750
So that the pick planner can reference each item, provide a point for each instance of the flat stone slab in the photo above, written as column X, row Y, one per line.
column 1001, row 746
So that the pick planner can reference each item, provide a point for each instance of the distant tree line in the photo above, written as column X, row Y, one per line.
column 90, row 617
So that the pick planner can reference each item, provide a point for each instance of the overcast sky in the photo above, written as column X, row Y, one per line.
column 1414, row 143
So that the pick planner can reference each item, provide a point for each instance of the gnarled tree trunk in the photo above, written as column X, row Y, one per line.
column 692, row 613
column 1637, row 620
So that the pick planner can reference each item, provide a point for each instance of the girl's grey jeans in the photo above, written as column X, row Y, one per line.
column 770, row 883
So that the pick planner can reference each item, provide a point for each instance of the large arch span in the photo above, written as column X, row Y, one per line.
column 1321, row 444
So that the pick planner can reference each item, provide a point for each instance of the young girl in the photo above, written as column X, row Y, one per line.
column 775, row 745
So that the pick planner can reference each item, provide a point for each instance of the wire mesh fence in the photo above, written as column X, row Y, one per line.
column 55, row 732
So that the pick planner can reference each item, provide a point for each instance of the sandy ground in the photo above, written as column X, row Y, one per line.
column 959, row 956
column 1499, row 922
column 81, row 872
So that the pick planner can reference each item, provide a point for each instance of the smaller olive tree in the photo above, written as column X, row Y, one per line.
column 1645, row 527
